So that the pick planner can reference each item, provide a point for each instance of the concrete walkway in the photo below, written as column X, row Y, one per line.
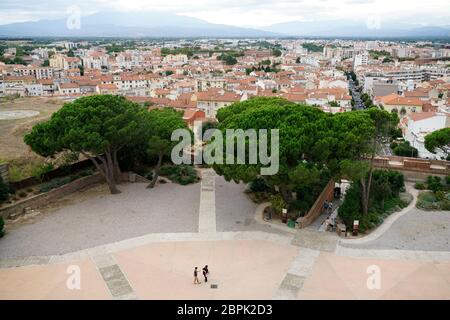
column 207, row 211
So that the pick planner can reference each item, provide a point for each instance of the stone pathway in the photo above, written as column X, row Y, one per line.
column 117, row 283
column 207, row 212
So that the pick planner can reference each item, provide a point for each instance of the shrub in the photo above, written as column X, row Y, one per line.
column 434, row 183
column 404, row 149
column 277, row 202
column 420, row 186
column 22, row 194
column 4, row 191
column 2, row 227
column 40, row 171
column 258, row 185
column 447, row 180
column 182, row 174
column 350, row 209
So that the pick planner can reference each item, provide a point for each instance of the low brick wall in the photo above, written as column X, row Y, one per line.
column 405, row 164
column 316, row 209
column 53, row 195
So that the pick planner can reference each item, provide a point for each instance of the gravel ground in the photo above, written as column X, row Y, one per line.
column 416, row 230
column 234, row 210
column 101, row 218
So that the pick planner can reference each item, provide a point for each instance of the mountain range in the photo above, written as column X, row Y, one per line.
column 164, row 24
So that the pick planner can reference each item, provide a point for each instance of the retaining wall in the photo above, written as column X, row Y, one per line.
column 316, row 209
column 18, row 208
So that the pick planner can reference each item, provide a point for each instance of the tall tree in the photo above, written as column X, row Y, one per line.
column 310, row 141
column 438, row 140
column 96, row 126
column 159, row 127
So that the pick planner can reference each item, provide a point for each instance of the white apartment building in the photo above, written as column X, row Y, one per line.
column 210, row 83
column 34, row 90
column 361, row 59
column 421, row 124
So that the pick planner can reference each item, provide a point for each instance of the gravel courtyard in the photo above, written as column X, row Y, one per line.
column 416, row 230
column 102, row 218
column 234, row 209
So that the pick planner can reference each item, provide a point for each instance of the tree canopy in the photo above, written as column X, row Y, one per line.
column 438, row 140
column 311, row 142
column 96, row 126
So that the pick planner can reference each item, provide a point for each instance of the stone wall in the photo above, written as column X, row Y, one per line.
column 17, row 209
column 4, row 172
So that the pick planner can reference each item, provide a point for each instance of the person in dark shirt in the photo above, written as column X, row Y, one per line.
column 205, row 273
column 196, row 281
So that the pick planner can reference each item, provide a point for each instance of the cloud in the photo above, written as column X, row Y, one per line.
column 241, row 12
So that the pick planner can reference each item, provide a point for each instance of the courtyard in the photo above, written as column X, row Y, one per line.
column 144, row 244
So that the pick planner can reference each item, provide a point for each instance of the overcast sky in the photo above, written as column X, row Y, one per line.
column 244, row 12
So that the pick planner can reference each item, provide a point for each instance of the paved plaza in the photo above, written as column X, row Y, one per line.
column 144, row 244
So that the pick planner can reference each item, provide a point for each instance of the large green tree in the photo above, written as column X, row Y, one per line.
column 311, row 142
column 159, row 127
column 96, row 126
column 438, row 140
column 361, row 169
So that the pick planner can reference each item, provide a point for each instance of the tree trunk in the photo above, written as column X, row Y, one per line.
column 364, row 200
column 117, row 172
column 156, row 172
column 286, row 195
column 366, row 187
column 106, row 169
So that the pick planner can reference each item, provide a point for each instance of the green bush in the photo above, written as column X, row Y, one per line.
column 420, row 186
column 434, row 183
column 404, row 149
column 40, row 171
column 447, row 180
column 350, row 209
column 181, row 174
column 2, row 227
column 258, row 185
column 4, row 191
column 277, row 202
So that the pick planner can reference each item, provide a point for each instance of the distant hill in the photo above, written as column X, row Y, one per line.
column 337, row 28
column 115, row 24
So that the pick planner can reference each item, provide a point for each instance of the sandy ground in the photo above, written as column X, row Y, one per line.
column 241, row 269
column 234, row 209
column 98, row 218
column 339, row 277
column 50, row 282
column 12, row 131
column 416, row 230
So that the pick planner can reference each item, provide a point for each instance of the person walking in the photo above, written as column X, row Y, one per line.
column 196, row 281
column 325, row 206
column 330, row 207
column 205, row 273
